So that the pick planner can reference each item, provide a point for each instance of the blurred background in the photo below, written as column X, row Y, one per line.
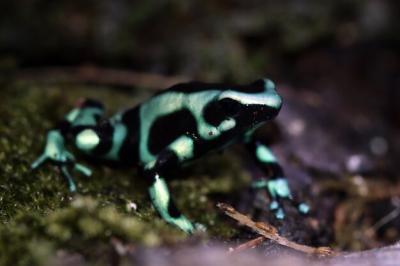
column 352, row 46
column 302, row 41
column 335, row 62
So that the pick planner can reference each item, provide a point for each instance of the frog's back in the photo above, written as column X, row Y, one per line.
column 170, row 114
column 197, row 86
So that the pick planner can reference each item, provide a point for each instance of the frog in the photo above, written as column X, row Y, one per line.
column 171, row 129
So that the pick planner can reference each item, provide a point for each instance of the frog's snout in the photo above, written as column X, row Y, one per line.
column 272, row 98
column 274, row 101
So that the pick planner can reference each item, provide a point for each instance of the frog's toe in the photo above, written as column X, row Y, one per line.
column 277, row 209
column 303, row 208
column 83, row 169
column 280, row 214
column 69, row 178
column 183, row 223
column 72, row 187
column 39, row 161
column 274, row 205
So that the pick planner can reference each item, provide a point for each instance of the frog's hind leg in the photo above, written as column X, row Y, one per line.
column 87, row 113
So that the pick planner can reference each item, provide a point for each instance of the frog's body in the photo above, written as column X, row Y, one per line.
column 172, row 128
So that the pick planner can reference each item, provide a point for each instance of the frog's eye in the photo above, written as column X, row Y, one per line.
column 230, row 106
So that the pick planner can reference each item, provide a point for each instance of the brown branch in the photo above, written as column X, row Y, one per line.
column 363, row 188
column 248, row 245
column 100, row 76
column 270, row 232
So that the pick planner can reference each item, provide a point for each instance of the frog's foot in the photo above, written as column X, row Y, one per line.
column 186, row 225
column 77, row 167
column 69, row 178
column 279, row 190
column 63, row 160
column 164, row 204
column 182, row 222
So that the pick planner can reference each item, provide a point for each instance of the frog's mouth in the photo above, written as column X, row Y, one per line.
column 257, row 114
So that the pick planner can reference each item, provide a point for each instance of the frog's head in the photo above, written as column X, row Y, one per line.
column 251, row 104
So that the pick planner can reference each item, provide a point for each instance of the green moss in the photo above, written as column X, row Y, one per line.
column 38, row 216
column 84, row 227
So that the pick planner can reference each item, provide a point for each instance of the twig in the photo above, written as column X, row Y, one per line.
column 385, row 220
column 367, row 190
column 270, row 232
column 248, row 245
column 101, row 76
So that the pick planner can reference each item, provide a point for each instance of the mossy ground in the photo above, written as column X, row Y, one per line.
column 39, row 216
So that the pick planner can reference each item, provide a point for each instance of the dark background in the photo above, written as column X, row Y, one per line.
column 348, row 46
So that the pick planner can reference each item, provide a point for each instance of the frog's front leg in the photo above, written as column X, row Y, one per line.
column 277, row 185
column 157, row 173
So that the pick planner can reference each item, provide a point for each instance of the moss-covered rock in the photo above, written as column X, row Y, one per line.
column 39, row 216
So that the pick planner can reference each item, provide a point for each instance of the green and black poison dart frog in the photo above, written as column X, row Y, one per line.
column 173, row 127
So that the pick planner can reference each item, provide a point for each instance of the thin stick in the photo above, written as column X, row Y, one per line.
column 100, row 76
column 248, row 245
column 270, row 232
column 384, row 220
